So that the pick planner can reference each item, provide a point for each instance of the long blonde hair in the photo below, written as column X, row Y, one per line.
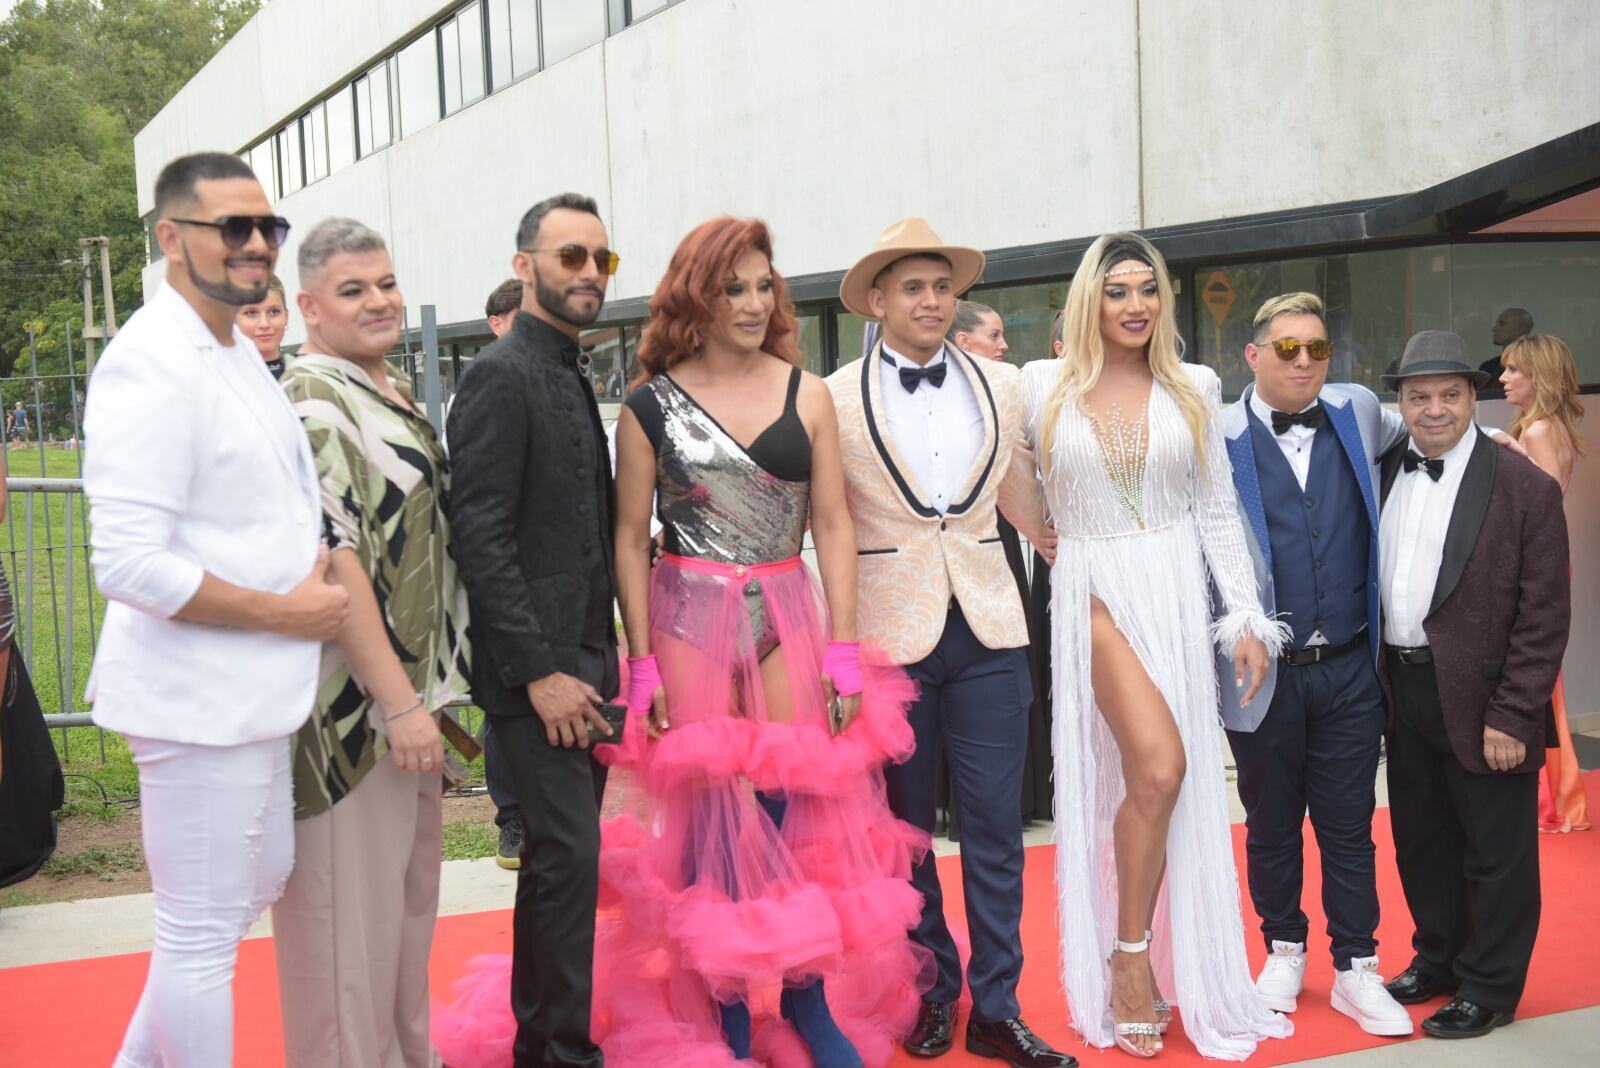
column 1085, row 353
column 1548, row 363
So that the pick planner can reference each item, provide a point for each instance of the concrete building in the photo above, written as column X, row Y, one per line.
column 1420, row 165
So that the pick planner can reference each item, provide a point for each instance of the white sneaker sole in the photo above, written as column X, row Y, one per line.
column 1279, row 1004
column 1381, row 1028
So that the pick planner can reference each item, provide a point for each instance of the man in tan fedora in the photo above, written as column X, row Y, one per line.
column 932, row 441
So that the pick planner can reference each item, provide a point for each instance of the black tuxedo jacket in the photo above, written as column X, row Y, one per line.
column 531, row 504
column 1501, row 607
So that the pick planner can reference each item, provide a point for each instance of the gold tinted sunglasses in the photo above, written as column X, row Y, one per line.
column 1288, row 348
column 573, row 257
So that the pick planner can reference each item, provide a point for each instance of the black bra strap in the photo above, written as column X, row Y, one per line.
column 794, row 390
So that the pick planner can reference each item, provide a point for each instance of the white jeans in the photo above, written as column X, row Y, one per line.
column 219, row 842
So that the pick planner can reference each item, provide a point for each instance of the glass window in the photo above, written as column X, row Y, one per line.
column 851, row 335
column 461, row 54
column 469, row 22
column 524, row 37
column 340, row 113
column 627, row 12
column 373, row 127
column 1028, row 313
column 450, row 61
column 266, row 171
column 290, row 174
column 1555, row 282
column 152, row 247
column 498, row 13
column 571, row 26
column 417, row 71
column 607, row 361
column 810, row 340
column 1375, row 302
column 315, row 132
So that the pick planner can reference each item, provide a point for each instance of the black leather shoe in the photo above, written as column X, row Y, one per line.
column 1411, row 987
column 1463, row 1019
column 935, row 1032
column 1012, row 1042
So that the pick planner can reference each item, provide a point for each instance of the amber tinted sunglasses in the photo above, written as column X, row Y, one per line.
column 573, row 257
column 1288, row 348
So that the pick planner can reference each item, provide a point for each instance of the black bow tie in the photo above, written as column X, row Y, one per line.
column 933, row 375
column 1312, row 417
column 1411, row 461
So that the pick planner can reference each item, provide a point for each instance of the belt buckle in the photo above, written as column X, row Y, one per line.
column 1316, row 653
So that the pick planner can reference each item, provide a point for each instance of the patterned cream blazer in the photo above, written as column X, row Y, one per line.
column 912, row 560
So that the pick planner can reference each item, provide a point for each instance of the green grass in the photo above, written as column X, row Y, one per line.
column 16, row 899
column 95, row 860
column 468, row 841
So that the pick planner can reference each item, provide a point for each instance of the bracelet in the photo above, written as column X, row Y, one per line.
column 409, row 709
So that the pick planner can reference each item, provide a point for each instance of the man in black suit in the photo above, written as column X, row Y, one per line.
column 530, row 510
column 1476, row 610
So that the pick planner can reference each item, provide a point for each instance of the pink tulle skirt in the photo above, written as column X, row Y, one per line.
column 703, row 897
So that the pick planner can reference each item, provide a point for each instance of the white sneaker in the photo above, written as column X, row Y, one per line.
column 1285, row 973
column 1360, row 995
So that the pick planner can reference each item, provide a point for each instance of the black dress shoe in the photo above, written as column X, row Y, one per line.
column 1011, row 1041
column 1411, row 987
column 1463, row 1019
column 935, row 1032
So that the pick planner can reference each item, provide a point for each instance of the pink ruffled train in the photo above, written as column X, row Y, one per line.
column 703, row 897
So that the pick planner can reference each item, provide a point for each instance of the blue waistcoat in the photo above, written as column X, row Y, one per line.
column 1320, row 537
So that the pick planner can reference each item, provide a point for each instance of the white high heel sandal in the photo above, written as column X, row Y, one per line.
column 1123, row 1030
column 1162, row 1006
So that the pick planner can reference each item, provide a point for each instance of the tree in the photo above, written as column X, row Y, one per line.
column 78, row 78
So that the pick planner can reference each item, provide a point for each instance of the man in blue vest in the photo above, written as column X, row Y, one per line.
column 1303, row 455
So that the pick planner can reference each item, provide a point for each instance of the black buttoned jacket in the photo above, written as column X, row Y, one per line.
column 531, row 502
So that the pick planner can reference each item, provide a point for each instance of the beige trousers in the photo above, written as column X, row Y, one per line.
column 354, row 927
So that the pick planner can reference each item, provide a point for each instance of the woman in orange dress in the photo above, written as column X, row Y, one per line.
column 1541, row 382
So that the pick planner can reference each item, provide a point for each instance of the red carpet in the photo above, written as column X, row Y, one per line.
column 74, row 1013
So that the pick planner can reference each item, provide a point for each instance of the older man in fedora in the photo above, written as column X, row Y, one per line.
column 1473, row 578
column 932, row 442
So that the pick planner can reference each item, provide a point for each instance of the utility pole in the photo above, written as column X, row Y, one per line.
column 91, row 332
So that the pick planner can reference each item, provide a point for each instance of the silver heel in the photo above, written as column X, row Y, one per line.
column 1123, row 1031
column 1162, row 1007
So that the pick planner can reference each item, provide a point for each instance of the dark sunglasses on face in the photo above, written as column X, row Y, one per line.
column 1288, row 348
column 235, row 229
column 573, row 257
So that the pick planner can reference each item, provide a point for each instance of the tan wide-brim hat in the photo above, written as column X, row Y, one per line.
column 906, row 238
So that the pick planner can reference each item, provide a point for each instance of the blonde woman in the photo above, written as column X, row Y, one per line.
column 1541, row 382
column 1137, row 476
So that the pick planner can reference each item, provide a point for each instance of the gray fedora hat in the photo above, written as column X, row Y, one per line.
column 1435, row 352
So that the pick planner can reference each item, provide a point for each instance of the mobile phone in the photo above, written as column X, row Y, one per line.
column 616, row 717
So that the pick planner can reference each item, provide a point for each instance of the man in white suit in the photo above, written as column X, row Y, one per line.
column 206, row 527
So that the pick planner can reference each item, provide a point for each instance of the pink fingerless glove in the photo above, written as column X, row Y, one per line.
column 842, row 664
column 644, row 675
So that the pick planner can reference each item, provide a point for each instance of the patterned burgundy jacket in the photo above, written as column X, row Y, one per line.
column 1502, row 606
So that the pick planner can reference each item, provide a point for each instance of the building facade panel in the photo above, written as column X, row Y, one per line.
column 1258, row 105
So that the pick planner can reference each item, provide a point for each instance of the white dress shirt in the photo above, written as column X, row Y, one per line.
column 1411, row 534
column 939, row 430
column 1295, row 441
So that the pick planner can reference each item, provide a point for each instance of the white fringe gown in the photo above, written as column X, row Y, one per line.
column 1153, row 579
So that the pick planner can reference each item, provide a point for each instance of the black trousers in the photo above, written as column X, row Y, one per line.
column 552, row 956
column 975, row 700
column 497, row 777
column 1468, row 850
column 1317, row 749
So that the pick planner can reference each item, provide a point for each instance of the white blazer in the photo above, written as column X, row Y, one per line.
column 195, row 462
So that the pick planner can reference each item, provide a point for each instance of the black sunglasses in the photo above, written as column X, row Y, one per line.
column 235, row 229
column 573, row 257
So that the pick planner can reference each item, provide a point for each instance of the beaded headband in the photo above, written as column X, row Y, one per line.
column 1141, row 269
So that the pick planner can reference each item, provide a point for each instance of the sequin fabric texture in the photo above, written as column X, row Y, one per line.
column 716, row 503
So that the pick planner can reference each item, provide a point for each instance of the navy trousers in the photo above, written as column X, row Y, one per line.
column 975, row 701
column 1317, row 749
column 497, row 777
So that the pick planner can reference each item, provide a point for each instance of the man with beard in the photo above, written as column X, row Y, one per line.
column 531, row 508
column 206, row 525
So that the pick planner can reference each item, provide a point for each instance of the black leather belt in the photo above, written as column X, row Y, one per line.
column 1411, row 655
column 1313, row 654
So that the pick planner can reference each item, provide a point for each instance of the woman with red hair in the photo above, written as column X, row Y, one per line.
column 755, row 891
column 758, row 852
